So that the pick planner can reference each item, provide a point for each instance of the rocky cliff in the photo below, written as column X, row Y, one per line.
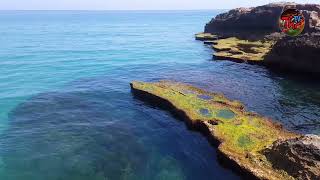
column 259, row 25
column 297, row 54
column 261, row 19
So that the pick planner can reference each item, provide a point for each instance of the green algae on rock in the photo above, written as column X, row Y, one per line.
column 241, row 136
column 241, row 50
column 205, row 37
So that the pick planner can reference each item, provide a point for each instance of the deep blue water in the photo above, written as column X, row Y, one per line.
column 67, row 113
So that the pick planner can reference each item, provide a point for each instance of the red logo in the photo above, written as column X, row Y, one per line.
column 292, row 22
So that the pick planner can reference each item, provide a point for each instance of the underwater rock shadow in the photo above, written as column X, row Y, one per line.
column 82, row 135
column 70, row 136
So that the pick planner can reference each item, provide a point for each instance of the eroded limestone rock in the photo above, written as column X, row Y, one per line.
column 241, row 50
column 261, row 19
column 241, row 136
column 299, row 157
column 268, row 46
column 298, row 54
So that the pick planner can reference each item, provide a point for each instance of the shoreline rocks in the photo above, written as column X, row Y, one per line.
column 296, row 54
column 243, row 138
column 241, row 50
column 300, row 157
column 261, row 20
column 205, row 37
column 259, row 27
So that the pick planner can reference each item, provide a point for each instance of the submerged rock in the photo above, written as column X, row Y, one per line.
column 242, row 137
column 299, row 157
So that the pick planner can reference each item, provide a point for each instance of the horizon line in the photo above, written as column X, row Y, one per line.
column 110, row 9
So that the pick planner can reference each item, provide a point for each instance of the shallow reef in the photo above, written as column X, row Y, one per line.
column 242, row 137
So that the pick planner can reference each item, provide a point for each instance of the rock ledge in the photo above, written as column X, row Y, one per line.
column 259, row 26
column 245, row 140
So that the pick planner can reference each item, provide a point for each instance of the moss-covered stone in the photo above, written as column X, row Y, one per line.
column 241, row 135
column 206, row 37
column 241, row 50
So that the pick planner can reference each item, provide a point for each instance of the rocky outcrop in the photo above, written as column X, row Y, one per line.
column 242, row 137
column 299, row 157
column 241, row 50
column 298, row 54
column 313, row 21
column 260, row 20
column 259, row 25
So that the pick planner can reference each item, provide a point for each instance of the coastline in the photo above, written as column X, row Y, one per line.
column 254, row 164
column 252, row 35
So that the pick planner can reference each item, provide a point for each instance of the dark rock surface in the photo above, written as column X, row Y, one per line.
column 300, row 53
column 261, row 19
column 295, row 54
column 299, row 157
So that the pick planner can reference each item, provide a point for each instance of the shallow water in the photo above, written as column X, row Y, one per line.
column 66, row 110
column 226, row 114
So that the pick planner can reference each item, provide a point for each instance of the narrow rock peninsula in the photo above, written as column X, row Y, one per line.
column 246, row 141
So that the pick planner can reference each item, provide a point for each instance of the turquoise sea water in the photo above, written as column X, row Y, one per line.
column 67, row 113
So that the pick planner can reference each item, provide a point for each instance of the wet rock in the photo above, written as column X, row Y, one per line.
column 261, row 20
column 299, row 157
column 241, row 50
column 259, row 25
column 209, row 42
column 241, row 136
column 296, row 54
